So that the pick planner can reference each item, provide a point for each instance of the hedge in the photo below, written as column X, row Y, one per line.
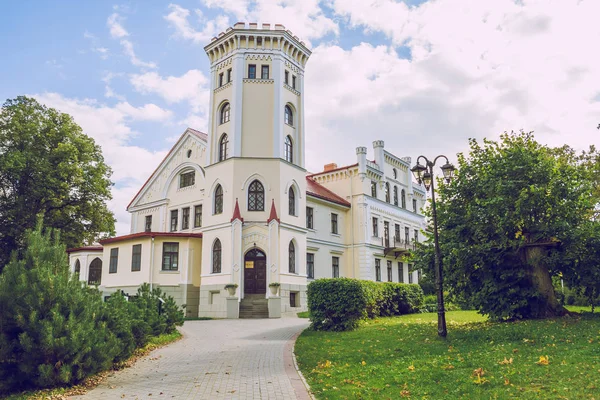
column 339, row 304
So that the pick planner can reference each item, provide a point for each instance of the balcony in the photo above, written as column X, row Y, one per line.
column 397, row 246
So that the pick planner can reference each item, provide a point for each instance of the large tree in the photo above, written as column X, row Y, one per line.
column 503, row 221
column 48, row 166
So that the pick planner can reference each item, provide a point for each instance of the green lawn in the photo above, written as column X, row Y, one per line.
column 402, row 357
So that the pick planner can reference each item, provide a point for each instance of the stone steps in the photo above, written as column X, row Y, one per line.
column 254, row 306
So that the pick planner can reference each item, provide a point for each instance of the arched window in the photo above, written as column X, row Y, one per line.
column 289, row 149
column 224, row 115
column 77, row 268
column 95, row 272
column 256, row 196
column 395, row 195
column 292, row 201
column 387, row 192
column 218, row 199
column 223, row 147
column 288, row 116
column 403, row 195
column 292, row 258
column 216, row 257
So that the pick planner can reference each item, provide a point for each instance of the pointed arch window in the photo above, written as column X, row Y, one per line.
column 223, row 147
column 292, row 258
column 288, row 116
column 292, row 201
column 289, row 149
column 95, row 272
column 225, row 112
column 219, row 199
column 256, row 196
column 403, row 198
column 387, row 192
column 395, row 195
column 216, row 257
column 77, row 268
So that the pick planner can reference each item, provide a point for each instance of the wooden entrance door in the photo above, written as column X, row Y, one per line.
column 255, row 272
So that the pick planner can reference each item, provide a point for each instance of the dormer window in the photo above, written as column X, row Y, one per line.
column 187, row 179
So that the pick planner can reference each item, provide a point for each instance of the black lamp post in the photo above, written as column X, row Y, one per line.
column 424, row 174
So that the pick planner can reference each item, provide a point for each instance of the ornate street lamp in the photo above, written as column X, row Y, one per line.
column 424, row 174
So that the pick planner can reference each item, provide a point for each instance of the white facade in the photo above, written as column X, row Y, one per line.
column 237, row 205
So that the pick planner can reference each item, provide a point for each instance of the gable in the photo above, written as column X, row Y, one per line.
column 153, row 190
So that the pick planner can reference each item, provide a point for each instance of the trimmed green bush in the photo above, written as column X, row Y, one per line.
column 340, row 304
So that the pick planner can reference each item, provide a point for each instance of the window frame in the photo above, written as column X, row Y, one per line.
column 387, row 193
column 136, row 257
column 377, row 270
column 173, row 257
column 251, row 71
column 310, row 265
column 218, row 200
column 174, row 221
column 217, row 261
column 403, row 198
column 292, row 258
column 286, row 77
column 288, row 115
column 229, row 71
column 114, row 260
column 221, row 76
column 264, row 68
column 288, row 149
column 223, row 142
column 414, row 201
column 400, row 272
column 410, row 274
column 294, row 82
column 375, row 222
column 374, row 189
column 148, row 223
column 291, row 201
column 334, row 224
column 335, row 267
column 389, row 271
column 309, row 218
column 187, row 179
column 396, row 195
column 256, row 196
column 198, row 216
column 225, row 113
column 185, row 218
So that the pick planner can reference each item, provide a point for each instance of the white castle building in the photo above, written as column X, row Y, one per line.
column 237, row 205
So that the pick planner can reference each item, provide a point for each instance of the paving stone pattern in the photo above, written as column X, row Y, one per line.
column 216, row 359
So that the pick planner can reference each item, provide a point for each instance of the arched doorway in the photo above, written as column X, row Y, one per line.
column 255, row 272
column 95, row 274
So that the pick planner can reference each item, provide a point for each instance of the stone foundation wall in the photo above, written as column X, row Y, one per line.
column 213, row 301
column 284, row 291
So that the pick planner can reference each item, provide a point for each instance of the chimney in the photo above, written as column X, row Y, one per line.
column 361, row 155
column 239, row 25
column 378, row 149
column 329, row 167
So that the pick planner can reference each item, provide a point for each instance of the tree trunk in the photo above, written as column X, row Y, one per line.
column 540, row 278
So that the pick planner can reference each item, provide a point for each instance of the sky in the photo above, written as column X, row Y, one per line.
column 424, row 76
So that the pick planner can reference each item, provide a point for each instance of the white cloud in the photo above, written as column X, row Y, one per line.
column 116, row 29
column 128, row 50
column 178, row 18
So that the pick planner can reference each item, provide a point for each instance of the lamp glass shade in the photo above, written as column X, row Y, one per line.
column 417, row 171
column 448, row 170
column 427, row 180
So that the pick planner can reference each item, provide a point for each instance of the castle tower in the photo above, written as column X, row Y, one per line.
column 255, row 165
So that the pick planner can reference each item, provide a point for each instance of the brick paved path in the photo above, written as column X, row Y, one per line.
column 216, row 359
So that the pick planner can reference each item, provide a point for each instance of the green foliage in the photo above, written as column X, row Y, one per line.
column 340, row 304
column 49, row 166
column 402, row 358
column 502, row 220
column 53, row 329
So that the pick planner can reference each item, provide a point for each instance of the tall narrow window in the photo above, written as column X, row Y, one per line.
column 378, row 270
column 286, row 77
column 256, row 196
column 251, row 71
column 187, row 179
column 197, row 216
column 114, row 260
column 288, row 116
column 410, row 273
column 389, row 271
column 216, row 257
column 334, row 223
column 403, row 197
column 229, row 75
column 375, row 227
column 400, row 272
column 310, row 265
column 289, row 150
column 264, row 72
column 148, row 223
column 335, row 267
column 95, row 272
column 292, row 201
column 415, row 205
column 185, row 218
column 225, row 113
column 220, row 79
column 387, row 192
column 309, row 217
column 136, row 257
column 416, row 240
column 77, row 269
column 219, row 199
column 293, row 81
column 170, row 256
column 223, row 147
column 373, row 189
column 395, row 195
column 292, row 258
column 406, row 234
column 396, row 232
column 174, row 215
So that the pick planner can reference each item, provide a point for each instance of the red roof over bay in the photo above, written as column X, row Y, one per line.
column 150, row 235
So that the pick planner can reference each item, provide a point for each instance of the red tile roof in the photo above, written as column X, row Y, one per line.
column 85, row 248
column 317, row 190
column 201, row 135
column 273, row 215
column 150, row 235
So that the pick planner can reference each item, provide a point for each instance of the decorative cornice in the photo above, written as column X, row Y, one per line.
column 248, row 80
column 225, row 86
column 260, row 57
column 288, row 87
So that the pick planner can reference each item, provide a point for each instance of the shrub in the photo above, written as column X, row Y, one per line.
column 340, row 304
column 53, row 329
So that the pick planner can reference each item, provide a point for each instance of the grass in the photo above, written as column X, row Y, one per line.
column 91, row 382
column 197, row 318
column 303, row 314
column 402, row 357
